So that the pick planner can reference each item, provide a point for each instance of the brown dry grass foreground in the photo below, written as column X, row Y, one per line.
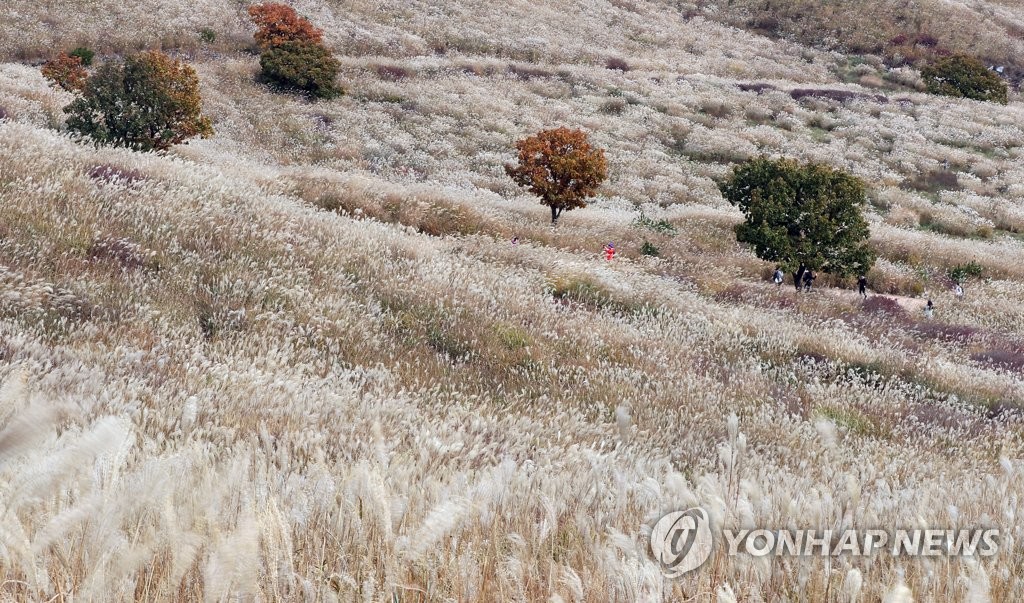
column 301, row 361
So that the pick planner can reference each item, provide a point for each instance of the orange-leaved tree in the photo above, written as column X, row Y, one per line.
column 279, row 24
column 561, row 167
column 292, row 55
column 65, row 71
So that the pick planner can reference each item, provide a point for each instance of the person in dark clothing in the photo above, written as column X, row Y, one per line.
column 808, row 279
column 862, row 286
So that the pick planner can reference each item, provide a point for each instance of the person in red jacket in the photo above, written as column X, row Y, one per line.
column 609, row 251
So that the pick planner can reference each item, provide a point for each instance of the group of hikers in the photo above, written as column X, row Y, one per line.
column 806, row 279
column 809, row 277
column 862, row 287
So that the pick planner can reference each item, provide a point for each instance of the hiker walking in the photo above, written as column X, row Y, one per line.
column 929, row 310
column 609, row 251
column 958, row 290
column 777, row 277
column 808, row 279
column 862, row 286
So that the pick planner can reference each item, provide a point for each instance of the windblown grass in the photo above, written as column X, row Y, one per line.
column 302, row 361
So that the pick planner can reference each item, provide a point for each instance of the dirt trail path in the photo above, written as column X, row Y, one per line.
column 910, row 304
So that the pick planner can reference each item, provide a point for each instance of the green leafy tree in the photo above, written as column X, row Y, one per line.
column 965, row 77
column 561, row 167
column 147, row 102
column 801, row 217
column 83, row 53
column 302, row 66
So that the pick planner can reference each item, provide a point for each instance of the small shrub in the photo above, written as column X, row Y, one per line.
column 617, row 64
column 961, row 272
column 66, row 71
column 512, row 337
column 854, row 420
column 301, row 66
column 963, row 76
column 649, row 249
column 660, row 226
column 279, row 24
column 83, row 53
column 207, row 35
column 147, row 102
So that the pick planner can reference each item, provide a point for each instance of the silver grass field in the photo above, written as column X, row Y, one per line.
column 301, row 361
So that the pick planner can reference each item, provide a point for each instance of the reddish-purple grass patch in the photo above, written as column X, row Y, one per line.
column 112, row 174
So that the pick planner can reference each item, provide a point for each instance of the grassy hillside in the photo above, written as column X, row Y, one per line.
column 301, row 360
column 900, row 30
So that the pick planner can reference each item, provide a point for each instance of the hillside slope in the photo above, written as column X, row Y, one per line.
column 301, row 360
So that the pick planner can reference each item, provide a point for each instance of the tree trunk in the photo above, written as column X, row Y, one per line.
column 556, row 212
column 798, row 275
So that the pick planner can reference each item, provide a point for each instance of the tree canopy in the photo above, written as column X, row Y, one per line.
column 147, row 102
column 302, row 67
column 66, row 71
column 292, row 55
column 279, row 24
column 801, row 217
column 561, row 167
column 966, row 77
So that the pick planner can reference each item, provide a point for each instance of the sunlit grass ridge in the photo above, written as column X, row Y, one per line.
column 302, row 361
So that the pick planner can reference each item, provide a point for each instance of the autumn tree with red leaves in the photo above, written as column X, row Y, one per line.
column 292, row 56
column 561, row 167
column 66, row 71
column 279, row 24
